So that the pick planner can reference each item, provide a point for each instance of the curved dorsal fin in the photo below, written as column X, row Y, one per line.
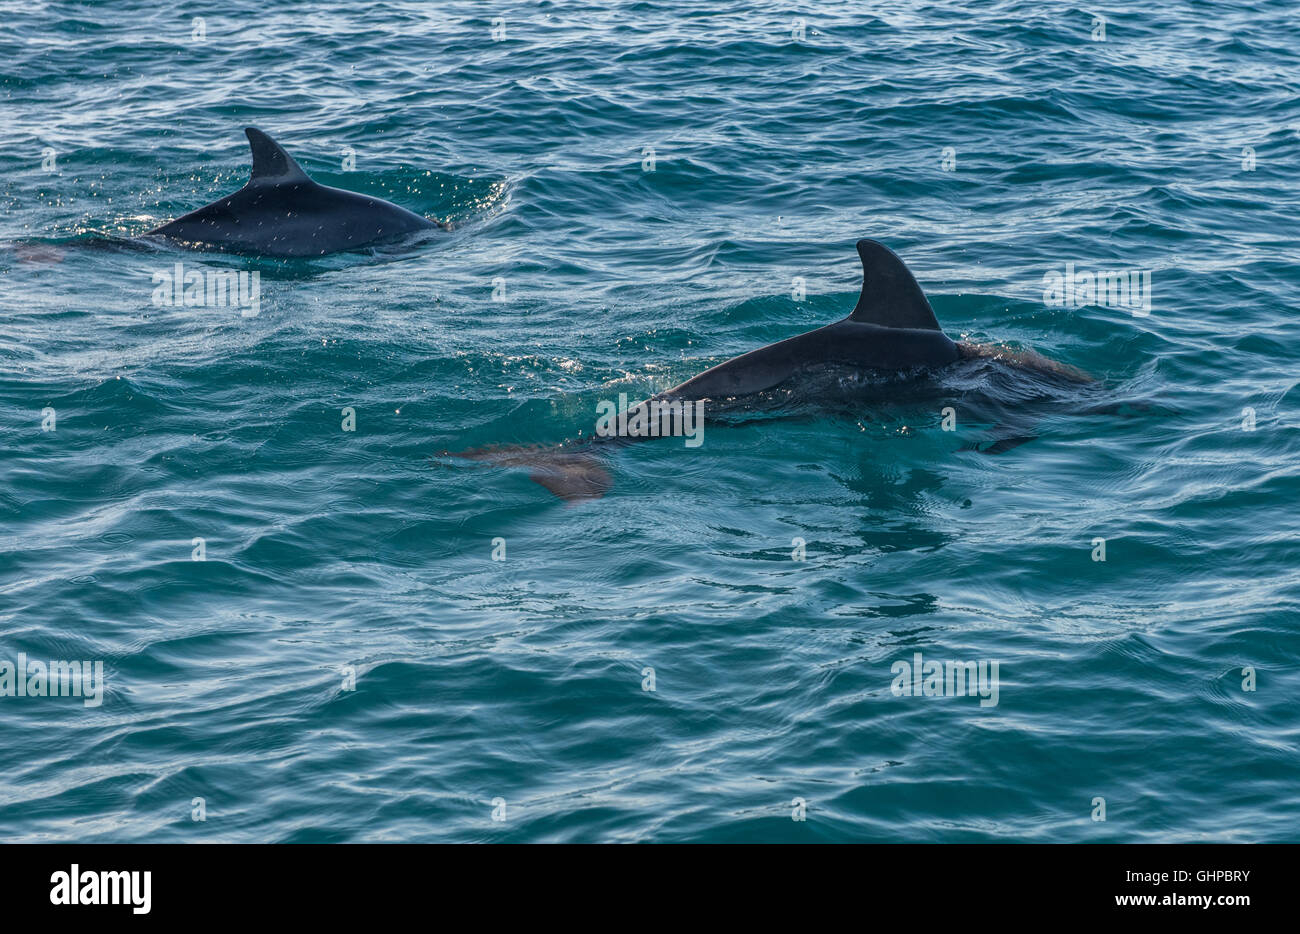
column 270, row 162
column 890, row 295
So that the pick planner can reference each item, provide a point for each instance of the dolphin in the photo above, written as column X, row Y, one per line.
column 891, row 334
column 281, row 212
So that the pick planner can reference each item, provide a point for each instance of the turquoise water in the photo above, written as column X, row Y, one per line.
column 333, row 553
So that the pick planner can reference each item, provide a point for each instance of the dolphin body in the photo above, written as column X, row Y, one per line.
column 281, row 212
column 892, row 327
column 891, row 331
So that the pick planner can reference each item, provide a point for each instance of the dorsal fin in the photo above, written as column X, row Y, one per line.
column 270, row 162
column 890, row 295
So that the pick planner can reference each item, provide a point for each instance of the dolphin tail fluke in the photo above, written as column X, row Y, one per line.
column 270, row 162
column 574, row 475
column 891, row 296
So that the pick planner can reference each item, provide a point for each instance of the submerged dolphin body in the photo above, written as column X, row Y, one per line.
column 281, row 212
column 891, row 331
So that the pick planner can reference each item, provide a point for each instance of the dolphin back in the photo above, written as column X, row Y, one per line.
column 283, row 212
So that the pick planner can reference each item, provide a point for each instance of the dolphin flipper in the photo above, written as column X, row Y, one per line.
column 1010, row 430
column 997, row 445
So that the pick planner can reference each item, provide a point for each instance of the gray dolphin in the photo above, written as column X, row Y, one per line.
column 281, row 212
column 891, row 331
